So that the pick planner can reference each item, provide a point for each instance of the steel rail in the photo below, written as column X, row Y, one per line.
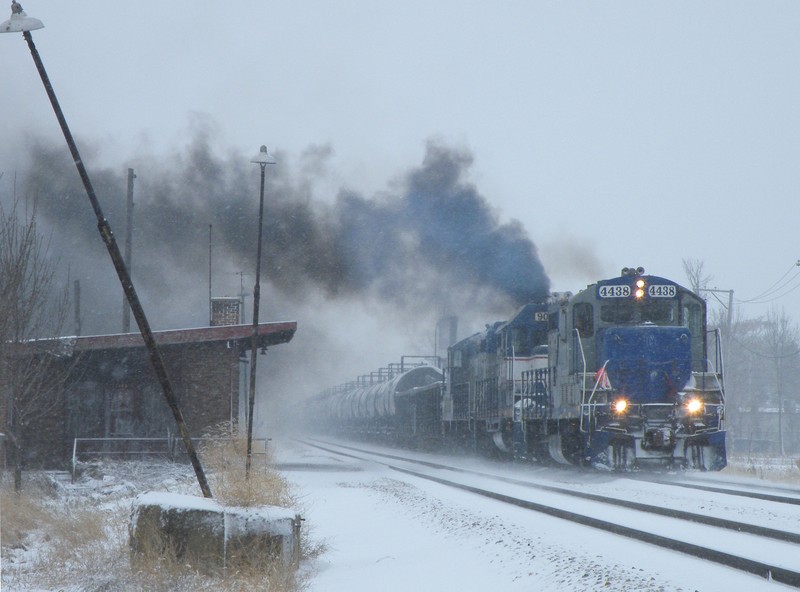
column 767, row 497
column 760, row 568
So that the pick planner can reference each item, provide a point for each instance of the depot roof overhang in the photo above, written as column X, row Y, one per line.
column 239, row 336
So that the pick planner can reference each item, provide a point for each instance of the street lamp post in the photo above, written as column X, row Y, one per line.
column 22, row 23
column 262, row 159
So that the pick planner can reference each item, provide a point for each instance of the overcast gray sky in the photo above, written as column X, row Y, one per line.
column 618, row 133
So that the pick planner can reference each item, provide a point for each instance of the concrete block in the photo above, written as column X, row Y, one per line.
column 209, row 536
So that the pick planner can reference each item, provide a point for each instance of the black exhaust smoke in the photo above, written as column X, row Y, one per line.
column 432, row 244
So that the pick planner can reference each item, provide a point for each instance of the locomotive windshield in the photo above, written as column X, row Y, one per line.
column 525, row 339
column 631, row 312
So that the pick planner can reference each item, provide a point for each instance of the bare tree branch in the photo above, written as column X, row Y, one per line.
column 32, row 314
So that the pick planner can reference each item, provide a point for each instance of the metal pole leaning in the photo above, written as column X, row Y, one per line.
column 124, row 277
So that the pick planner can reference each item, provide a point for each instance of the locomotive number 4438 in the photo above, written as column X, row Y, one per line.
column 661, row 291
column 623, row 291
column 614, row 291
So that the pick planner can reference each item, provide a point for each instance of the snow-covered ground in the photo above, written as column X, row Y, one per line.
column 388, row 531
column 385, row 530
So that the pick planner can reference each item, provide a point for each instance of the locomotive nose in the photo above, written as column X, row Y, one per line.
column 648, row 362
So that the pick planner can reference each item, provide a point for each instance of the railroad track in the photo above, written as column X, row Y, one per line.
column 771, row 542
column 784, row 497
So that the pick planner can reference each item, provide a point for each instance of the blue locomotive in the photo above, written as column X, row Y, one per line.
column 622, row 375
column 617, row 376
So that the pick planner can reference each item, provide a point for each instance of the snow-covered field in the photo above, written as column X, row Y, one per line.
column 384, row 530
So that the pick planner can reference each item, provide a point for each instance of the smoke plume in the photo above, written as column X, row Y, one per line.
column 366, row 277
column 430, row 244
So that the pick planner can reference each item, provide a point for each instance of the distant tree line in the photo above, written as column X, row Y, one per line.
column 762, row 374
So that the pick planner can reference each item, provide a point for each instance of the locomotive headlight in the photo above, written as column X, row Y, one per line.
column 620, row 406
column 639, row 291
column 694, row 406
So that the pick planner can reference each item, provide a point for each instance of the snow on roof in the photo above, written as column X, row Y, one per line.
column 268, row 334
column 241, row 336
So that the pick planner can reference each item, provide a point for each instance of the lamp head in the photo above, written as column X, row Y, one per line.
column 19, row 21
column 263, row 157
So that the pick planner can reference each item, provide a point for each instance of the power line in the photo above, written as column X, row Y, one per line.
column 759, row 354
column 778, row 289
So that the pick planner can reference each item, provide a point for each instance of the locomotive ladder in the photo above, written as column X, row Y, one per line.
column 588, row 406
column 599, row 383
column 534, row 398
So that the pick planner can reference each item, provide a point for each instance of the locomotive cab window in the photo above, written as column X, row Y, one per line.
column 617, row 313
column 693, row 317
column 520, row 341
column 583, row 318
column 658, row 312
column 552, row 322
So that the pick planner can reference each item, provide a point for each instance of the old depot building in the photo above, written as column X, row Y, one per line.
column 109, row 393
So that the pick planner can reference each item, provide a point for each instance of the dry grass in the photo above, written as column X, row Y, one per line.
column 18, row 516
column 163, row 570
column 54, row 540
column 784, row 470
column 224, row 458
column 77, row 539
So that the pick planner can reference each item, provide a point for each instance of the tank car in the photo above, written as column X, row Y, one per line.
column 399, row 404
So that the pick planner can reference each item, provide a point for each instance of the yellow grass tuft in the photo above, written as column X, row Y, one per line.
column 223, row 455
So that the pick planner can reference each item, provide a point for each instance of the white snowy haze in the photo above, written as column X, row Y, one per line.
column 432, row 156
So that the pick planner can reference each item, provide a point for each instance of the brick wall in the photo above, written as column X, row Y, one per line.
column 204, row 378
column 207, row 382
column 225, row 311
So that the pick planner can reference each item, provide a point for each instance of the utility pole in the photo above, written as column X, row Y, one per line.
column 210, row 307
column 726, row 337
column 126, row 309
column 729, row 307
column 77, row 290
column 241, row 297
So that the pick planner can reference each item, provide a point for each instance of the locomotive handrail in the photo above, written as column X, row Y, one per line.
column 588, row 404
column 718, row 353
column 583, row 361
column 510, row 372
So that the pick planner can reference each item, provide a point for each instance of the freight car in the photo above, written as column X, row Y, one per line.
column 400, row 404
column 621, row 375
